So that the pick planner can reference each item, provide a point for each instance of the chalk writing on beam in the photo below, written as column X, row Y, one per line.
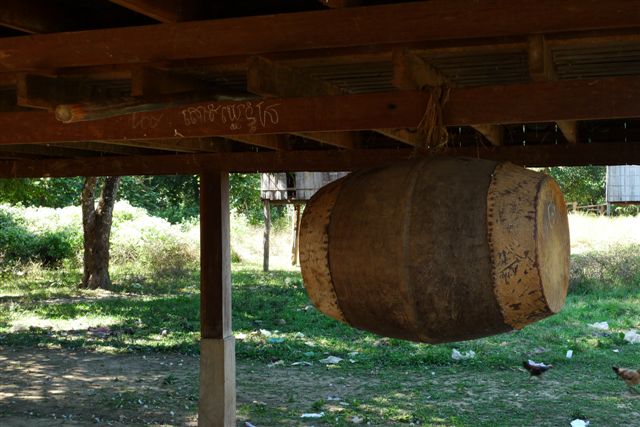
column 249, row 116
column 145, row 121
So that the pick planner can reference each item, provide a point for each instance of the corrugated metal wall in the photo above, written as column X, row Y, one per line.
column 623, row 184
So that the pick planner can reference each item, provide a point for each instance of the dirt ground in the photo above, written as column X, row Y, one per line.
column 45, row 387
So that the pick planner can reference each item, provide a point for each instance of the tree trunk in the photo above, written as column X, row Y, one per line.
column 96, row 224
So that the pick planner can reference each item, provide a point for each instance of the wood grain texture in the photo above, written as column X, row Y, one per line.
column 546, row 102
column 215, row 256
column 399, row 24
column 528, row 234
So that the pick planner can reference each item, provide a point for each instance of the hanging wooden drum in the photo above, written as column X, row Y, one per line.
column 437, row 249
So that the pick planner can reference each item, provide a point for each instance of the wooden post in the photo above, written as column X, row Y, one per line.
column 296, row 234
column 217, row 406
column 266, row 211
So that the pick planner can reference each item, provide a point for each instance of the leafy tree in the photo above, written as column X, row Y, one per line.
column 49, row 192
column 582, row 184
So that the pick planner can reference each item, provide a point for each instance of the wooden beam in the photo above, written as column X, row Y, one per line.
column 33, row 16
column 178, row 145
column 412, row 23
column 47, row 150
column 217, row 406
column 316, row 160
column 412, row 72
column 164, row 10
column 46, row 92
column 102, row 147
column 546, row 102
column 541, row 69
column 273, row 142
column 270, row 79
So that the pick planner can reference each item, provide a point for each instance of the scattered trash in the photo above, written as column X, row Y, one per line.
column 248, row 424
column 456, row 355
column 632, row 337
column 331, row 360
column 298, row 335
column 353, row 354
column 569, row 354
column 313, row 415
column 241, row 336
column 265, row 333
column 331, row 398
column 302, row 364
column 356, row 420
column 615, row 350
column 603, row 326
column 163, row 333
column 274, row 340
column 579, row 423
column 352, row 361
column 276, row 363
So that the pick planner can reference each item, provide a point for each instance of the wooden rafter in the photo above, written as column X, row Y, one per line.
column 33, row 16
column 541, row 69
column 400, row 24
column 164, row 10
column 316, row 160
column 412, row 72
column 546, row 102
column 270, row 79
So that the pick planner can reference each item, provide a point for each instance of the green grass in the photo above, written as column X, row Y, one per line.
column 391, row 382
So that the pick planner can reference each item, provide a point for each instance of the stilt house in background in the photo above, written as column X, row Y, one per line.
column 143, row 87
column 623, row 184
column 290, row 188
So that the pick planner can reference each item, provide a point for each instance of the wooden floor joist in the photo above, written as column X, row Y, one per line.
column 316, row 160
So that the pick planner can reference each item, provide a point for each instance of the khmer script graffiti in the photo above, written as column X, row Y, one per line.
column 248, row 115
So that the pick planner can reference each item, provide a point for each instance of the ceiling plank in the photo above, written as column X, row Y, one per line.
column 33, row 16
column 367, row 26
column 164, row 10
column 270, row 79
column 546, row 102
column 316, row 160
column 541, row 69
column 147, row 81
column 412, row 72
